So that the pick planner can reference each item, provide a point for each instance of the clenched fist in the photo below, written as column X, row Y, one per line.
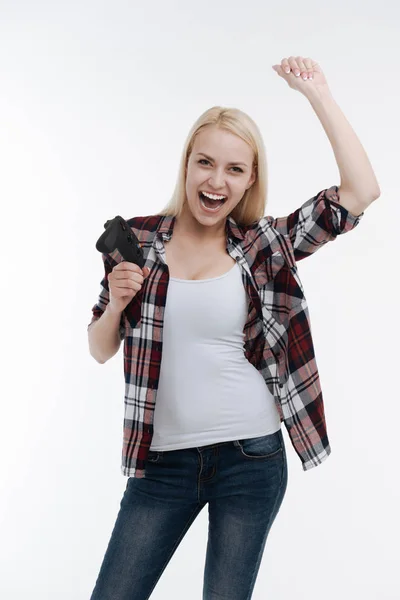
column 124, row 282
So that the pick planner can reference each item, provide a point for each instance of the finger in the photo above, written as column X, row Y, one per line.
column 285, row 65
column 294, row 66
column 309, row 67
column 302, row 67
column 125, row 265
column 278, row 69
column 138, row 277
column 131, row 283
column 121, row 279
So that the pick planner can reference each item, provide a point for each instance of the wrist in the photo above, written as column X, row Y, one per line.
column 113, row 311
column 318, row 93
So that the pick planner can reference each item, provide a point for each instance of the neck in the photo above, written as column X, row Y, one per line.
column 189, row 230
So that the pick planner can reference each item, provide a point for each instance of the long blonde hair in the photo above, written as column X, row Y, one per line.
column 252, row 206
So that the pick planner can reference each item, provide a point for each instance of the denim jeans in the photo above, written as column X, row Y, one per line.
column 242, row 481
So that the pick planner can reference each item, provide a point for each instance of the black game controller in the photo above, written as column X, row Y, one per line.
column 118, row 235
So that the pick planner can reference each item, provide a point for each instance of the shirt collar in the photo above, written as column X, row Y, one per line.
column 233, row 230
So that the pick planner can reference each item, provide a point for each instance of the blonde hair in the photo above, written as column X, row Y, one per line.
column 252, row 205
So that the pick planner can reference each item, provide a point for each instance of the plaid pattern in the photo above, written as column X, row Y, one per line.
column 277, row 340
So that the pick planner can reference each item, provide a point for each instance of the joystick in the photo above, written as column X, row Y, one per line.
column 118, row 235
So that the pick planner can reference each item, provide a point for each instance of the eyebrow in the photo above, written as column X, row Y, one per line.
column 231, row 163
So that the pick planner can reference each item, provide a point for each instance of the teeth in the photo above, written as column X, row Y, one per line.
column 211, row 209
column 213, row 196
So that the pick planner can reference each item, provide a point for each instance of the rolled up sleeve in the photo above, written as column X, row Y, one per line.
column 318, row 221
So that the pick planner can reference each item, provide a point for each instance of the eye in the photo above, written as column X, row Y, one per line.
column 240, row 170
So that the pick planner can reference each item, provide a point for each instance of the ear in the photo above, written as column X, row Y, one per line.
column 252, row 178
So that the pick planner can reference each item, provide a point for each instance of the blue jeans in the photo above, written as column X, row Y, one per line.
column 242, row 481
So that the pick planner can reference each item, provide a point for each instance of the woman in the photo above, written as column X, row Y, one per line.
column 210, row 324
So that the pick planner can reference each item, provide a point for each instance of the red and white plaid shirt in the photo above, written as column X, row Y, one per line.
column 277, row 333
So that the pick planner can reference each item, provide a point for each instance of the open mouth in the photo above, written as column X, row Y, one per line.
column 210, row 205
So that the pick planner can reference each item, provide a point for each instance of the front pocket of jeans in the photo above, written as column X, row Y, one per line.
column 265, row 446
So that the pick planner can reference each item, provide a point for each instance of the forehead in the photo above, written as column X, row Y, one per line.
column 219, row 143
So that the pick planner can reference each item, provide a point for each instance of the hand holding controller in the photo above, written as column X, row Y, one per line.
column 127, row 277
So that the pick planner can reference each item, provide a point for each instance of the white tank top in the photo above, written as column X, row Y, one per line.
column 208, row 391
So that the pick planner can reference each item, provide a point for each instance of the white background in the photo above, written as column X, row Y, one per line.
column 96, row 100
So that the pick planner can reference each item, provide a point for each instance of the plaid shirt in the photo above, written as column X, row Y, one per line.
column 277, row 333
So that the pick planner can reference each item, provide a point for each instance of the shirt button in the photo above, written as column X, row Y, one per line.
column 281, row 385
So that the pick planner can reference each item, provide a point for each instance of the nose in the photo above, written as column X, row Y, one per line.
column 217, row 181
